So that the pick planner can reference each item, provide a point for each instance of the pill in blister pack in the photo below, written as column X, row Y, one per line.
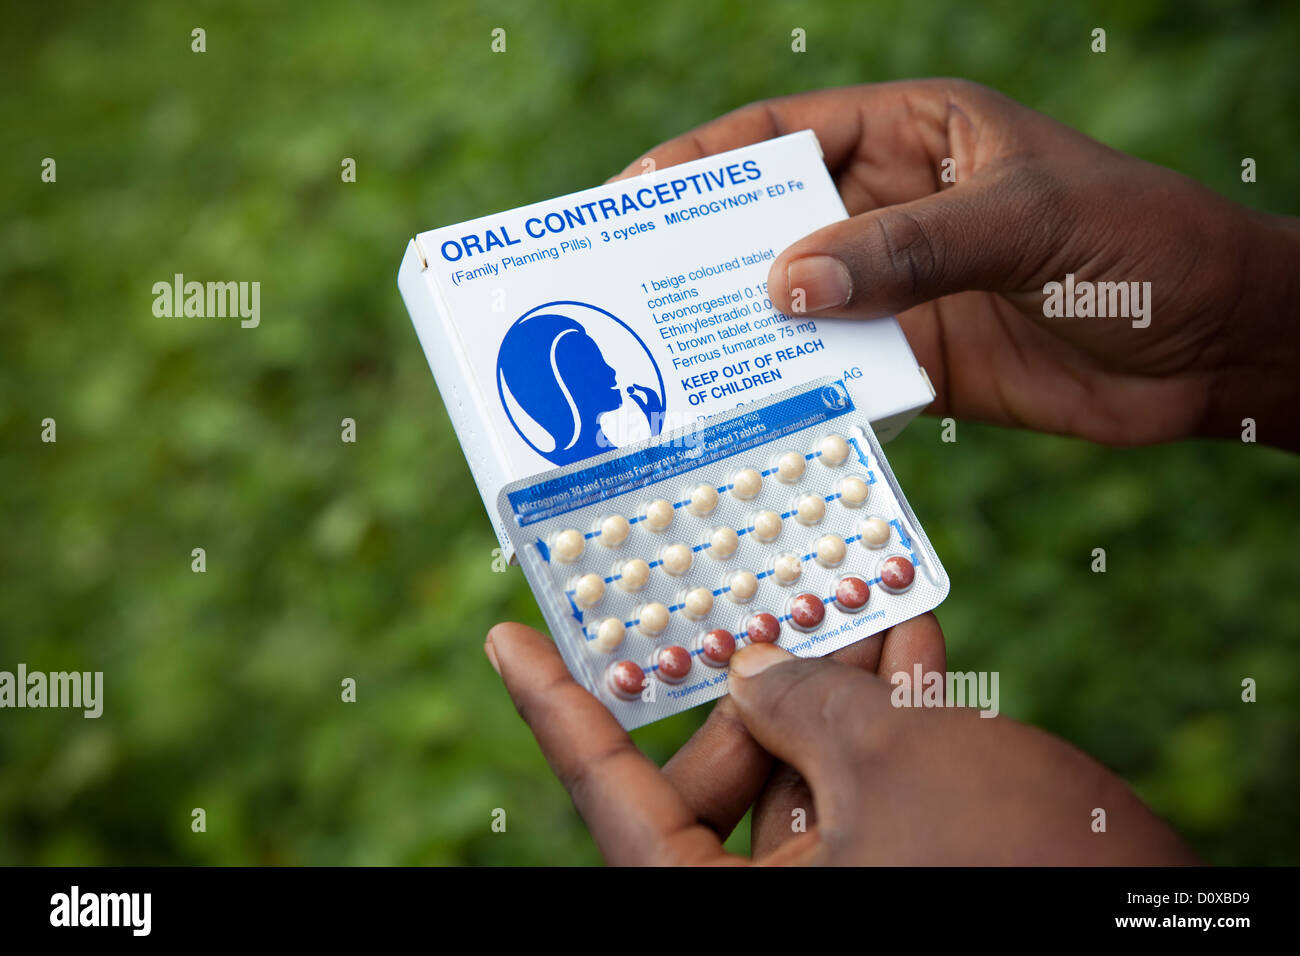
column 780, row 522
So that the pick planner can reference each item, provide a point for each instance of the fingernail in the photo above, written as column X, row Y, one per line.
column 818, row 282
column 491, row 653
column 756, row 658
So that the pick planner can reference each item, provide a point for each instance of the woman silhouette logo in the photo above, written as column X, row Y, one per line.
column 576, row 381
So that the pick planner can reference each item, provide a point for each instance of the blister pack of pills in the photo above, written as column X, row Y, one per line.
column 780, row 522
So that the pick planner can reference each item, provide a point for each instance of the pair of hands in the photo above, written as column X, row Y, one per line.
column 963, row 266
column 835, row 772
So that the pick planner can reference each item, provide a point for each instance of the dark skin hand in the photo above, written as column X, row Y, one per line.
column 878, row 784
column 963, row 264
column 685, row 811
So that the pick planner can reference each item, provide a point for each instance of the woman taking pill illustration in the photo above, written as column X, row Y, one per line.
column 964, row 266
column 555, row 384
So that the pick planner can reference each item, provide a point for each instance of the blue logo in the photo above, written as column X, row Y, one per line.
column 576, row 381
column 834, row 397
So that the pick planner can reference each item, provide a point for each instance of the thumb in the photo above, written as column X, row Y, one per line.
column 813, row 713
column 974, row 236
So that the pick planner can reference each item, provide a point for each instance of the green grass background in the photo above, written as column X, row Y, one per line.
column 373, row 560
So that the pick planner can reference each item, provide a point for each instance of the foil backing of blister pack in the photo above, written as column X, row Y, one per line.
column 537, row 510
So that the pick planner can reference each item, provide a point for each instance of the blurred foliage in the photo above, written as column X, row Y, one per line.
column 373, row 560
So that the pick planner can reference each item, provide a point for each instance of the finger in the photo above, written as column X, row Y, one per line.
column 783, row 810
column 988, row 233
column 786, row 802
column 632, row 810
column 845, row 119
column 863, row 654
column 804, row 849
column 918, row 641
column 809, row 713
column 720, row 771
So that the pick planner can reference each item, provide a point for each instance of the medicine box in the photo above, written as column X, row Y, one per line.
column 584, row 324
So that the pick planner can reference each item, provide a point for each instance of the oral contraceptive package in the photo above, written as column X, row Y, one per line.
column 777, row 522
column 593, row 322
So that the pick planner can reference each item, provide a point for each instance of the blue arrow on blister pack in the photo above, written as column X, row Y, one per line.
column 902, row 535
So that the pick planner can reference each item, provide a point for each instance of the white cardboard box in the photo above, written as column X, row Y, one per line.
column 570, row 327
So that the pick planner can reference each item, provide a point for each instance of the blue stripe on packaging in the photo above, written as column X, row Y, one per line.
column 682, row 451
